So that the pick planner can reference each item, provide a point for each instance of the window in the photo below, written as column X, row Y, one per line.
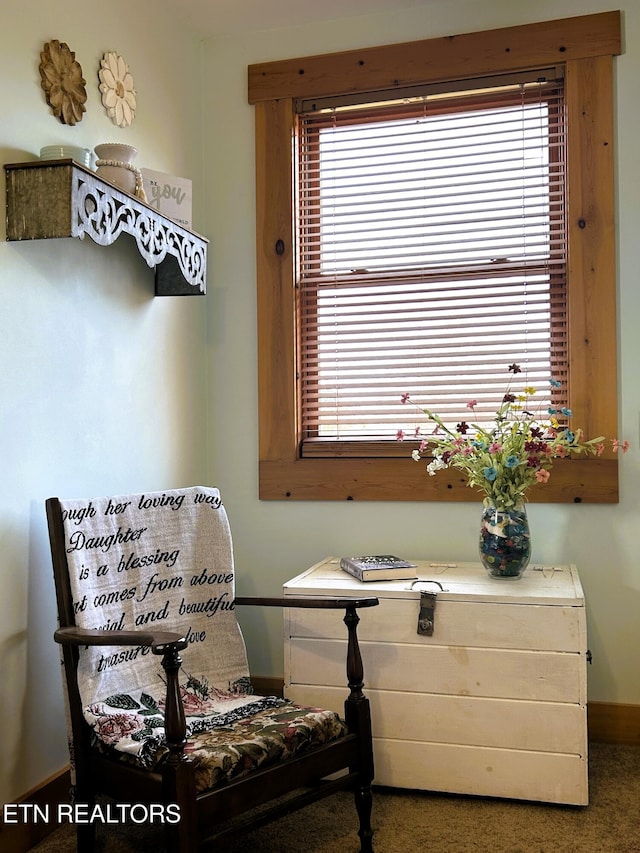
column 312, row 447
column 431, row 254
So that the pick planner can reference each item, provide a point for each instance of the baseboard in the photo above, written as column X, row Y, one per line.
column 608, row 723
column 44, row 799
column 267, row 686
column 614, row 723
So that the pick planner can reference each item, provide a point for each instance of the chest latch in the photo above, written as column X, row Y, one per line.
column 427, row 615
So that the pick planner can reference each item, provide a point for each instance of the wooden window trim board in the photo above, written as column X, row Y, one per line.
column 585, row 46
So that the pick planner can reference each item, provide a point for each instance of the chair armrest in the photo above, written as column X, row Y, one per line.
column 161, row 642
column 325, row 603
column 355, row 669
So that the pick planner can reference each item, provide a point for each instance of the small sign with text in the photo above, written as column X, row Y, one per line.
column 169, row 195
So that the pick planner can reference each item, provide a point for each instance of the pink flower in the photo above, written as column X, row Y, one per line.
column 542, row 476
column 400, row 435
column 620, row 445
column 113, row 727
column 404, row 398
column 472, row 404
column 600, row 449
column 194, row 704
column 495, row 447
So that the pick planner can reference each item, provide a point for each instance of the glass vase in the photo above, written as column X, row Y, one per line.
column 505, row 544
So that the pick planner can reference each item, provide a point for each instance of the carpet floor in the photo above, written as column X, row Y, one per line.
column 420, row 822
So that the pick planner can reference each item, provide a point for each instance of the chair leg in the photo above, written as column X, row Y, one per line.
column 86, row 837
column 179, row 788
column 364, row 803
column 85, row 832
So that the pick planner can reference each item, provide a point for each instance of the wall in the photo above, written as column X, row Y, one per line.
column 276, row 540
column 102, row 385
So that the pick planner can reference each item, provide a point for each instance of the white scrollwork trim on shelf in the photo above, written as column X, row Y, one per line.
column 104, row 214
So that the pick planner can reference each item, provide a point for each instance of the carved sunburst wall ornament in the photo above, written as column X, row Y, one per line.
column 62, row 81
column 116, row 85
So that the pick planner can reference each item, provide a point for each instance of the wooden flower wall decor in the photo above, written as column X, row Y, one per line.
column 62, row 81
column 116, row 85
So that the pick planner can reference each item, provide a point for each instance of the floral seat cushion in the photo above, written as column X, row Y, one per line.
column 266, row 732
column 270, row 736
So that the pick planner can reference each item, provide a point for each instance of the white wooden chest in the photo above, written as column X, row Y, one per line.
column 492, row 703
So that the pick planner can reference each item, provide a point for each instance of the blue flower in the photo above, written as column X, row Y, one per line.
column 554, row 383
column 566, row 412
column 569, row 436
column 552, row 411
column 511, row 461
column 480, row 445
column 490, row 474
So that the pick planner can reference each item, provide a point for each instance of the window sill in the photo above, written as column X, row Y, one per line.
column 589, row 480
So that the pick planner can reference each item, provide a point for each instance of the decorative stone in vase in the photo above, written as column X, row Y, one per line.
column 115, row 164
column 505, row 544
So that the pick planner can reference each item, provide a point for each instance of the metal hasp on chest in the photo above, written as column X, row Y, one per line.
column 61, row 198
column 477, row 686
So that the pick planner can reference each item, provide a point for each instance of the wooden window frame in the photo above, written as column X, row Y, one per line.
column 585, row 46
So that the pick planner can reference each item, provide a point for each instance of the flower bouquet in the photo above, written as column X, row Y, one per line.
column 502, row 461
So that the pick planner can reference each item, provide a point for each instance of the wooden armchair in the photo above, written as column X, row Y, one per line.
column 152, row 575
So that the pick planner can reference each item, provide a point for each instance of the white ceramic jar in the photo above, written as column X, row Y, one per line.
column 115, row 164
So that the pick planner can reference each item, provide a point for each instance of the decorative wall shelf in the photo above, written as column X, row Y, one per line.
column 61, row 198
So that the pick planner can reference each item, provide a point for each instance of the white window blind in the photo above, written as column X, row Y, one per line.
column 431, row 255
